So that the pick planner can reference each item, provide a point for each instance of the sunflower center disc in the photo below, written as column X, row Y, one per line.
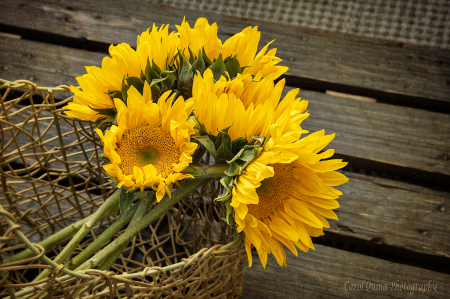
column 148, row 156
column 273, row 192
column 148, row 145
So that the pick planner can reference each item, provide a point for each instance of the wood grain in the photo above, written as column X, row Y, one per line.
column 335, row 58
column 394, row 213
column 399, row 136
column 330, row 273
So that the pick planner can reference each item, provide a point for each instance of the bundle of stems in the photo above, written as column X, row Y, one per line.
column 101, row 253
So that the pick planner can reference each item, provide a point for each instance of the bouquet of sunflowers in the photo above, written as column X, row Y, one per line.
column 185, row 96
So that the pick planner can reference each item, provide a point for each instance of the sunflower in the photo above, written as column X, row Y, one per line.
column 243, row 45
column 157, row 46
column 93, row 100
column 151, row 144
column 247, row 107
column 96, row 84
column 284, row 194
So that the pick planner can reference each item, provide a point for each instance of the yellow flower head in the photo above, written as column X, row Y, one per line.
column 243, row 44
column 151, row 144
column 156, row 46
column 284, row 194
column 248, row 107
column 98, row 81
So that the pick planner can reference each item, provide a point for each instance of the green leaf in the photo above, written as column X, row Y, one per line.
column 207, row 143
column 137, row 83
column 125, row 199
column 218, row 68
column 248, row 154
column 233, row 67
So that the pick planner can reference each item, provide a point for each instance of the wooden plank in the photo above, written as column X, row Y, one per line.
column 394, row 213
column 400, row 136
column 333, row 273
column 333, row 58
column 45, row 64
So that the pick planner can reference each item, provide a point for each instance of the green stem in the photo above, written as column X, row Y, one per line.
column 58, row 237
column 36, row 251
column 103, row 239
column 110, row 203
column 143, row 208
column 211, row 171
column 156, row 212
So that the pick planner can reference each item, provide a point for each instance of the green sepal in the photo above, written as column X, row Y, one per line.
column 206, row 141
column 227, row 183
column 205, row 58
column 156, row 68
column 150, row 73
column 170, row 78
column 235, row 169
column 106, row 159
column 143, row 77
column 111, row 112
column 125, row 199
column 223, row 145
column 137, row 83
column 191, row 56
column 200, row 128
column 168, row 191
column 106, row 122
column 218, row 67
column 114, row 94
column 199, row 65
column 238, row 144
column 125, row 88
column 229, row 217
column 185, row 76
column 156, row 92
column 233, row 67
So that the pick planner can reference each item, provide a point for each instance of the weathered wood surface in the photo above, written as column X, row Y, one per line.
column 399, row 136
column 405, row 137
column 333, row 273
column 394, row 213
column 340, row 59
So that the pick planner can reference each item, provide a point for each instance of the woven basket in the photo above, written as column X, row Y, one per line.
column 51, row 176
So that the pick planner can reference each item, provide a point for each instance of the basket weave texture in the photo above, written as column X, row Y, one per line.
column 51, row 177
